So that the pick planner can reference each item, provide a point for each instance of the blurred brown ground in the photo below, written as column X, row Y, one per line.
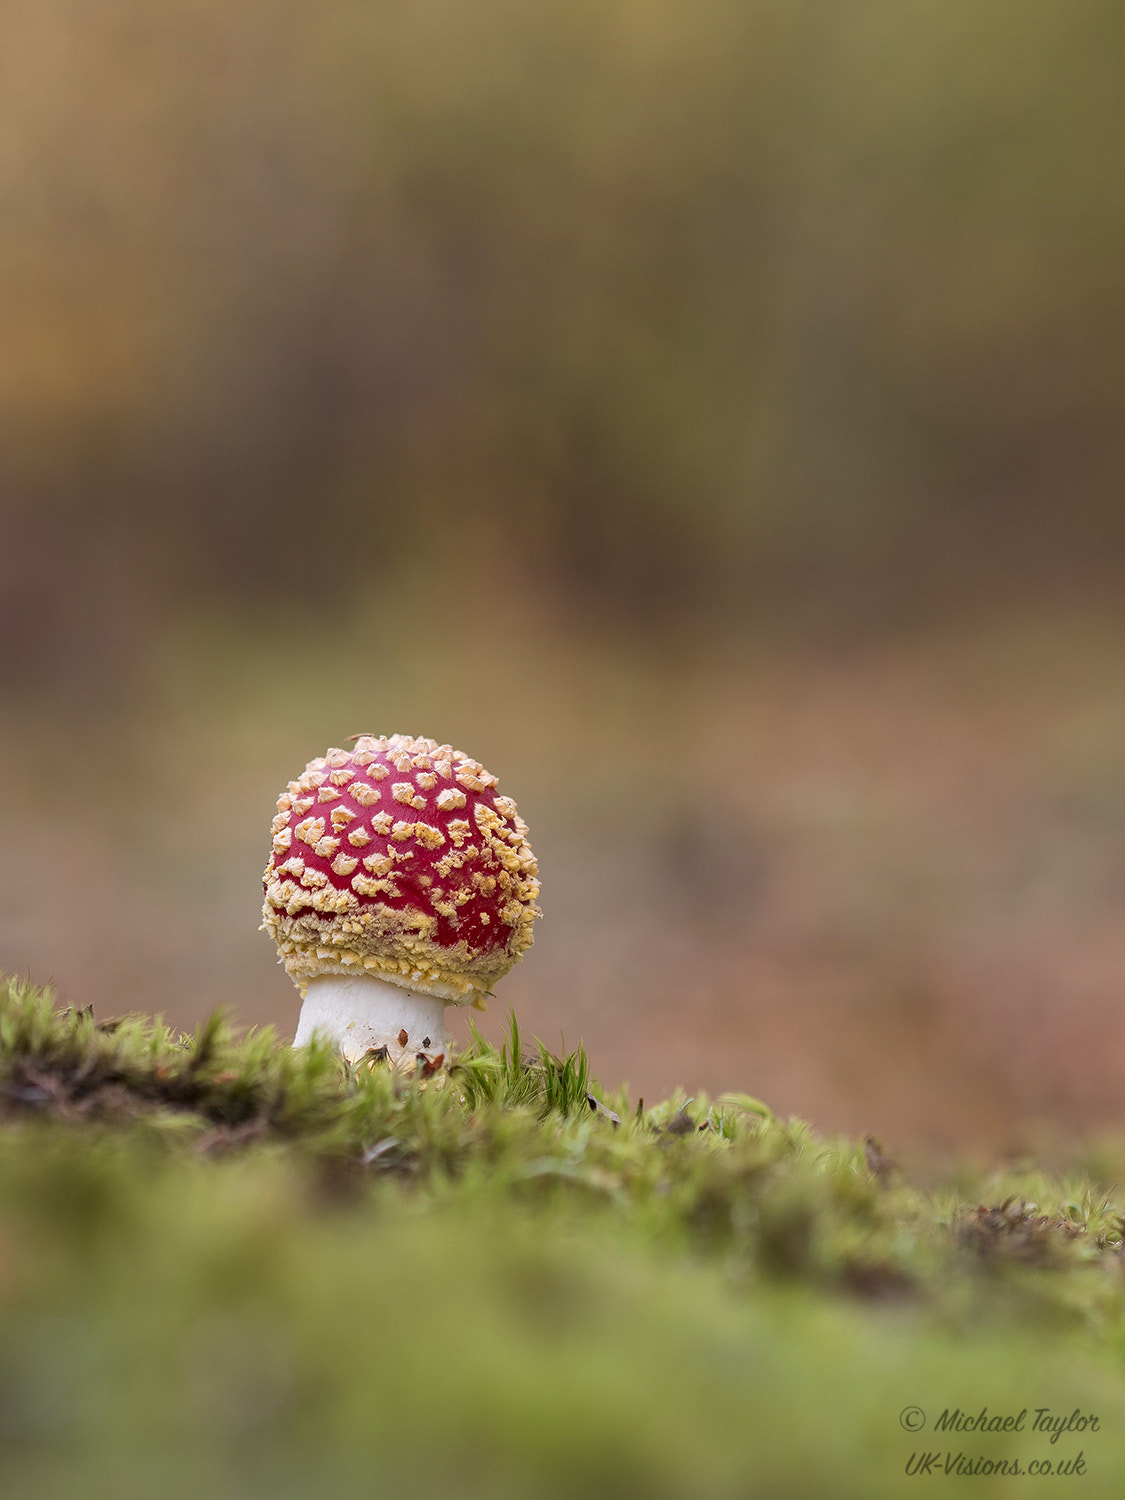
column 709, row 416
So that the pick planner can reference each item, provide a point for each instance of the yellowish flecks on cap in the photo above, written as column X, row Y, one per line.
column 454, row 861
column 321, row 929
column 327, row 794
column 292, row 866
column 287, row 895
column 484, row 918
column 396, row 943
column 403, row 791
column 310, row 831
column 485, row 817
column 279, row 822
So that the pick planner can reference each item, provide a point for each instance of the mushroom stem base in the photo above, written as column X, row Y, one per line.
column 361, row 1013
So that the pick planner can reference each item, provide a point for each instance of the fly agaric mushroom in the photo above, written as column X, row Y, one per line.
column 399, row 882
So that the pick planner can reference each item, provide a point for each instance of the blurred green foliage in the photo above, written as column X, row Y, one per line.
column 301, row 1278
column 660, row 308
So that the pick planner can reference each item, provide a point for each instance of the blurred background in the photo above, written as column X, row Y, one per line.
column 710, row 416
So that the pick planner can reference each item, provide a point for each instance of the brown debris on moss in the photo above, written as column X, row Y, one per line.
column 1015, row 1230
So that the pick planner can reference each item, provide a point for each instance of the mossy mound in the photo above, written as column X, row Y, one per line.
column 231, row 1269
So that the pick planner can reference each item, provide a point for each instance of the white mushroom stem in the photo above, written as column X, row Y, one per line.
column 362, row 1013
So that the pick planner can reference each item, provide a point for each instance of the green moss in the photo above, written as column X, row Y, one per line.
column 231, row 1268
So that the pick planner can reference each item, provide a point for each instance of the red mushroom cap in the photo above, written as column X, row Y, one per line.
column 399, row 858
